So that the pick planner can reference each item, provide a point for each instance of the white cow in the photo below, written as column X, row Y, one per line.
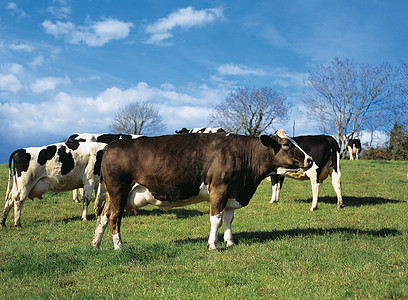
column 57, row 167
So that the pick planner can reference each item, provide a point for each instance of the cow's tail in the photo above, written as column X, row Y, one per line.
column 336, row 156
column 99, row 198
column 10, row 179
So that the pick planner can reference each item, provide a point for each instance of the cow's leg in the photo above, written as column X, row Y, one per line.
column 86, row 198
column 114, row 222
column 18, row 206
column 350, row 150
column 216, row 222
column 101, row 223
column 228, row 218
column 336, row 182
column 315, row 189
column 218, row 202
column 7, row 207
column 277, row 182
column 75, row 196
column 232, row 204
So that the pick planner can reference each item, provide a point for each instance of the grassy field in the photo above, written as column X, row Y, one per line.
column 283, row 250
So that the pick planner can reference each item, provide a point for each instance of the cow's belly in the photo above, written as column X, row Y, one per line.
column 65, row 184
column 299, row 175
column 304, row 175
column 141, row 196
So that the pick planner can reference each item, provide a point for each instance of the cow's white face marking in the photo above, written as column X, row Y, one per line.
column 282, row 134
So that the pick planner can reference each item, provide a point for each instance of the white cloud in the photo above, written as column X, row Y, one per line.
column 60, row 12
column 183, row 18
column 279, row 76
column 233, row 69
column 16, row 11
column 21, row 47
column 93, row 34
column 286, row 78
column 48, row 84
column 13, row 68
column 37, row 61
column 10, row 83
column 60, row 114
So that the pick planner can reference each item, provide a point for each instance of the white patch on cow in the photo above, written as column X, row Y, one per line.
column 228, row 217
column 275, row 192
column 233, row 203
column 117, row 241
column 285, row 171
column 101, row 224
column 353, row 152
column 141, row 196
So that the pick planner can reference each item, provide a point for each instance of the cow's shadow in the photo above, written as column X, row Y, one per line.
column 179, row 213
column 353, row 201
column 251, row 237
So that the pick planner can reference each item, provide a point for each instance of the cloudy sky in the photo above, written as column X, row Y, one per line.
column 67, row 66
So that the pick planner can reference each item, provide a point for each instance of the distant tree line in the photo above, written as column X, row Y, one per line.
column 395, row 149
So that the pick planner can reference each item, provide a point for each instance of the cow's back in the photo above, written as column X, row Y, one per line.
column 321, row 148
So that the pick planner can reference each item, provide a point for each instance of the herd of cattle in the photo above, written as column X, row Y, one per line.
column 171, row 171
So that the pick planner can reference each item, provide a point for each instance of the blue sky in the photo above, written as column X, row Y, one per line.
column 67, row 66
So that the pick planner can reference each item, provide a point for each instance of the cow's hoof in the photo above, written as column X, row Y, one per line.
column 229, row 243
column 212, row 247
column 314, row 208
column 340, row 206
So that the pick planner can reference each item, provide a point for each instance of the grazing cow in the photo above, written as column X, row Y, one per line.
column 353, row 146
column 98, row 138
column 58, row 167
column 178, row 170
column 200, row 130
column 325, row 153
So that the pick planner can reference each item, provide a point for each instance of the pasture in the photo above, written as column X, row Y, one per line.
column 283, row 250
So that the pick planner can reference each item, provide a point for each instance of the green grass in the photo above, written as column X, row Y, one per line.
column 283, row 250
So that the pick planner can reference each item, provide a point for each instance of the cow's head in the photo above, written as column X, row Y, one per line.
column 287, row 156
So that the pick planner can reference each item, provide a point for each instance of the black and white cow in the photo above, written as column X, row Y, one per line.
column 178, row 170
column 58, row 167
column 325, row 152
column 353, row 146
column 100, row 137
column 200, row 130
column 96, row 138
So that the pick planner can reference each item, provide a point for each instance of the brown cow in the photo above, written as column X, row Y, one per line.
column 178, row 170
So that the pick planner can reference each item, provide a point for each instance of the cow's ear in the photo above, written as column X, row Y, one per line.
column 270, row 141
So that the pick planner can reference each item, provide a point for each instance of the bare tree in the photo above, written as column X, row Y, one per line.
column 250, row 111
column 401, row 103
column 344, row 96
column 137, row 118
